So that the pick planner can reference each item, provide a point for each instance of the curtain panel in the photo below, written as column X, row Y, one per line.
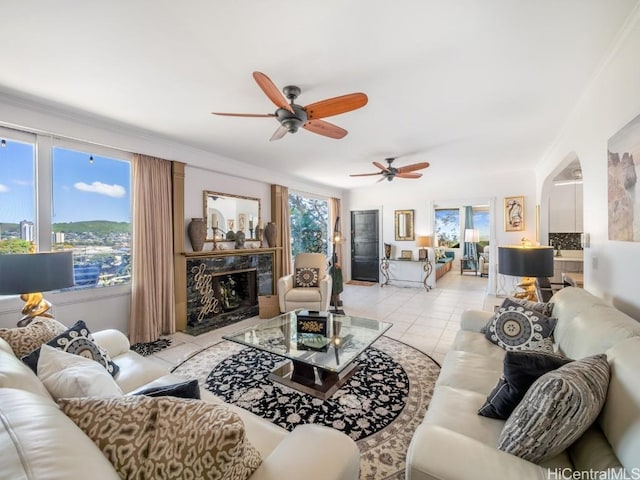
column 152, row 290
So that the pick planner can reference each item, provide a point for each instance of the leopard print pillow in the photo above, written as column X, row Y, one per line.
column 166, row 437
column 24, row 340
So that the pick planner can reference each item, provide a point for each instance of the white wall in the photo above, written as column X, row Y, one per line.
column 109, row 307
column 421, row 195
column 612, row 100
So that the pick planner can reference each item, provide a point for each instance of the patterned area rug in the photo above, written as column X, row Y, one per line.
column 150, row 348
column 379, row 407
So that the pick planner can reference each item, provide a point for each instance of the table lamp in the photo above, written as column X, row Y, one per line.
column 527, row 262
column 28, row 274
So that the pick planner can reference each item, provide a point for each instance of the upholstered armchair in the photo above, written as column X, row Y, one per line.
column 483, row 262
column 308, row 287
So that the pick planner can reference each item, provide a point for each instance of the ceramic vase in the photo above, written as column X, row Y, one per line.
column 197, row 231
column 271, row 234
column 240, row 238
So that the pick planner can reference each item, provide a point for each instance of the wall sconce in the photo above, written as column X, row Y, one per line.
column 27, row 274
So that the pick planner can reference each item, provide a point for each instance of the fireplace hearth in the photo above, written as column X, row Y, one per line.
column 223, row 289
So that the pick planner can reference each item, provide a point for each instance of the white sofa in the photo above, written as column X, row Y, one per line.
column 454, row 442
column 37, row 441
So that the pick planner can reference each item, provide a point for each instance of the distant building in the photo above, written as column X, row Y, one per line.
column 27, row 231
column 57, row 237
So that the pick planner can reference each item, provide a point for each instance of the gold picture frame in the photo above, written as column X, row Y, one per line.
column 514, row 214
column 406, row 254
column 404, row 225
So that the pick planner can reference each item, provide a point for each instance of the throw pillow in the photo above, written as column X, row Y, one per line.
column 166, row 437
column 307, row 277
column 66, row 375
column 515, row 327
column 521, row 369
column 557, row 410
column 544, row 308
column 76, row 340
column 188, row 389
column 26, row 339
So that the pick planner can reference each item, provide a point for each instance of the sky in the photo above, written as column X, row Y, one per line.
column 81, row 190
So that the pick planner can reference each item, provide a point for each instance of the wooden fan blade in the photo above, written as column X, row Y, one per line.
column 278, row 134
column 364, row 174
column 408, row 175
column 381, row 166
column 336, row 105
column 325, row 128
column 415, row 166
column 271, row 91
column 244, row 114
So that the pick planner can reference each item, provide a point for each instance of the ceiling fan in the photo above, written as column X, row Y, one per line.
column 390, row 172
column 293, row 116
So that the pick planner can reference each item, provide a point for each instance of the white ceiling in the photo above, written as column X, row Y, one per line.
column 467, row 85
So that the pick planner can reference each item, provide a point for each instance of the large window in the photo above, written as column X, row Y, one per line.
column 17, row 192
column 63, row 195
column 309, row 224
column 481, row 223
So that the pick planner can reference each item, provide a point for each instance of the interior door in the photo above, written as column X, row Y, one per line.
column 365, row 248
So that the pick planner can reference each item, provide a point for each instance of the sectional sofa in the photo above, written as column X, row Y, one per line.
column 38, row 441
column 454, row 442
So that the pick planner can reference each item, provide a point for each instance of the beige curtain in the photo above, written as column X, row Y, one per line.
column 152, row 296
column 285, row 230
column 334, row 212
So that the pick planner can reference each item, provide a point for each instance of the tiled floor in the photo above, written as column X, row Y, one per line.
column 425, row 320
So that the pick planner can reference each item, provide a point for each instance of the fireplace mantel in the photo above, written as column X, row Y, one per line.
column 227, row 253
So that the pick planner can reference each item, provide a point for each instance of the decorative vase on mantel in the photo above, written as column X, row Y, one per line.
column 271, row 234
column 197, row 231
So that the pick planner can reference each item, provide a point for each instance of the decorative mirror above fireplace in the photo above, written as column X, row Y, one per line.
column 224, row 212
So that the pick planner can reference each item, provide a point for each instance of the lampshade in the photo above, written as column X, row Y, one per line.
column 471, row 235
column 35, row 272
column 423, row 241
column 525, row 261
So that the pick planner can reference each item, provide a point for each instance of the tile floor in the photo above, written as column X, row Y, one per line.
column 425, row 320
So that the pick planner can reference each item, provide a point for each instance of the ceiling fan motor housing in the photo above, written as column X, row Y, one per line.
column 292, row 122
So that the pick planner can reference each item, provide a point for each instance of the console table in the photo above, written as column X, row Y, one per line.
column 412, row 274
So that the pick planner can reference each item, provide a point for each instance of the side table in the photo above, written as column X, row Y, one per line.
column 468, row 265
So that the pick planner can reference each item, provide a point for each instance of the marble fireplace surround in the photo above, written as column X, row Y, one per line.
column 252, row 271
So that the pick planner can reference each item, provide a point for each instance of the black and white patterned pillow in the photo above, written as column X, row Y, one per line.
column 78, row 341
column 515, row 327
column 557, row 409
column 307, row 277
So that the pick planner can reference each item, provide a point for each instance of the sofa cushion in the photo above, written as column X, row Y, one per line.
column 166, row 437
column 469, row 371
column 516, row 327
column 310, row 294
column 66, row 375
column 40, row 442
column 15, row 374
column 558, row 408
column 307, row 277
column 78, row 341
column 188, row 389
column 24, row 340
column 521, row 369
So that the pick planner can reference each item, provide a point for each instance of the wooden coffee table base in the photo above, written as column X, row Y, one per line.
column 312, row 380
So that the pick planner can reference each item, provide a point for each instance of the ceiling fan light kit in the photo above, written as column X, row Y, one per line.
column 293, row 116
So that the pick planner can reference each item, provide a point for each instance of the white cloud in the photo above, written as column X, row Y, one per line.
column 3, row 188
column 115, row 191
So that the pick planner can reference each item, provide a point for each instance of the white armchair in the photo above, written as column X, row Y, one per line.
column 308, row 287
column 483, row 262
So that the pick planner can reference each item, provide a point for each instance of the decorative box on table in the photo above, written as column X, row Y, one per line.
column 309, row 321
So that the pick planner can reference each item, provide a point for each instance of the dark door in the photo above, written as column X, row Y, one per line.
column 365, row 256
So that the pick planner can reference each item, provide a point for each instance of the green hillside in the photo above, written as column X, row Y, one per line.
column 95, row 226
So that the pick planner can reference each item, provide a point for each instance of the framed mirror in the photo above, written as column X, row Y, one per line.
column 404, row 225
column 224, row 212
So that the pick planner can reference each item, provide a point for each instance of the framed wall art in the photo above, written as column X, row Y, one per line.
column 514, row 214
column 404, row 225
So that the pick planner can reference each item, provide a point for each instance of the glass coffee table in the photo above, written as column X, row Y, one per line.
column 317, row 363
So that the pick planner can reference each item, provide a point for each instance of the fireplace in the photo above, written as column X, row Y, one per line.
column 223, row 289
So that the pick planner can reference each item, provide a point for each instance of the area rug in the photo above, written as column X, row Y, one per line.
column 379, row 407
column 149, row 348
column 361, row 283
